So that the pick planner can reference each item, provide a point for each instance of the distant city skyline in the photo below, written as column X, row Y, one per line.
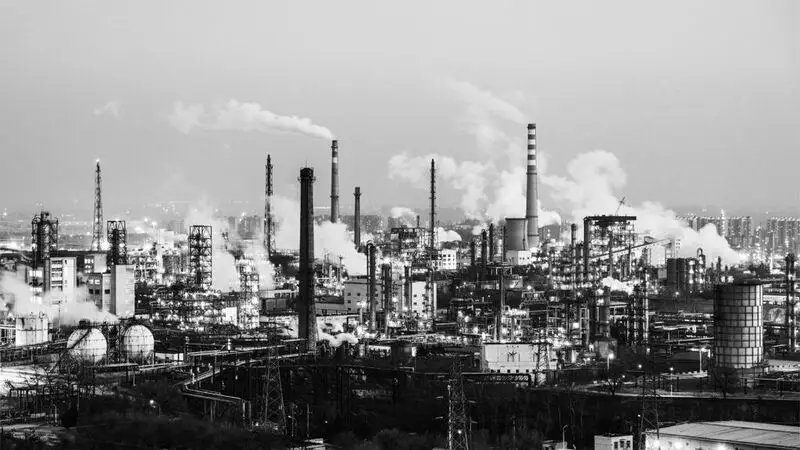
column 698, row 111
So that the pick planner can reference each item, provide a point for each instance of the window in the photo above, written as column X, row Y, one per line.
column 108, row 291
column 616, row 444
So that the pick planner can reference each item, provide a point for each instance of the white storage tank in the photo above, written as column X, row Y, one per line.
column 137, row 343
column 31, row 329
column 87, row 345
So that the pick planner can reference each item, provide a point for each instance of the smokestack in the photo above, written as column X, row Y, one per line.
column 491, row 242
column 386, row 277
column 484, row 254
column 532, row 206
column 418, row 221
column 432, row 227
column 371, row 287
column 269, row 232
column 307, row 318
column 408, row 286
column 335, row 181
column 357, row 218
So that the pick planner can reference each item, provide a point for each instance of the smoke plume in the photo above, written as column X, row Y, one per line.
column 19, row 301
column 406, row 216
column 337, row 340
column 592, row 187
column 224, row 274
column 330, row 238
column 443, row 235
column 616, row 285
column 242, row 116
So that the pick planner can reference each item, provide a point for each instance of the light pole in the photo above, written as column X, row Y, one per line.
column 563, row 438
column 608, row 361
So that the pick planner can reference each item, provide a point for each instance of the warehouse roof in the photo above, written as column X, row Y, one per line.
column 731, row 431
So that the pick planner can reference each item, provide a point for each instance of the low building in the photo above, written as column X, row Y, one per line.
column 447, row 260
column 613, row 442
column 726, row 435
column 519, row 257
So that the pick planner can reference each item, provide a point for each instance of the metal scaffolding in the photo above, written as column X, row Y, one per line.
column 200, row 256
column 44, row 238
column 117, row 242
column 458, row 423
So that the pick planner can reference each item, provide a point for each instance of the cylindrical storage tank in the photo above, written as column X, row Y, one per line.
column 87, row 345
column 515, row 235
column 738, row 326
column 138, row 343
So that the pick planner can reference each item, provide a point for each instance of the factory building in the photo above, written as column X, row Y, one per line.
column 725, row 435
column 447, row 260
column 355, row 296
column 738, row 325
column 514, row 357
column 60, row 278
column 113, row 291
column 613, row 442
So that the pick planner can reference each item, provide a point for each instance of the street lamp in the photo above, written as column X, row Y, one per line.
column 563, row 438
column 608, row 360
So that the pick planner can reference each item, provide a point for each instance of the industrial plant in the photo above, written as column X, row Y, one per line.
column 504, row 325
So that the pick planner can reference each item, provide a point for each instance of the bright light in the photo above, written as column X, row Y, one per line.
column 611, row 355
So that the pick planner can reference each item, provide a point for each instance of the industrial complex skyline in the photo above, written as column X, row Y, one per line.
column 682, row 104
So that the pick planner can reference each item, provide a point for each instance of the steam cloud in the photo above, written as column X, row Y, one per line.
column 443, row 235
column 224, row 274
column 591, row 188
column 616, row 285
column 337, row 340
column 594, row 179
column 331, row 238
column 18, row 300
column 488, row 190
column 241, row 116
column 407, row 216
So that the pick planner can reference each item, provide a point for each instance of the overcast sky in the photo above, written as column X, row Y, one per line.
column 699, row 100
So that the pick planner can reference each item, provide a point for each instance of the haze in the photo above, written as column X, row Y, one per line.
column 700, row 101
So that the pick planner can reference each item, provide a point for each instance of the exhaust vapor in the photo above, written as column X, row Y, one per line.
column 242, row 116
column 18, row 300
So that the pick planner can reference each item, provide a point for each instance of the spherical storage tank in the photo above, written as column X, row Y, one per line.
column 138, row 343
column 87, row 345
column 738, row 327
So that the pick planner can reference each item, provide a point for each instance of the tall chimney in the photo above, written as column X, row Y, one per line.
column 307, row 318
column 357, row 218
column 408, row 289
column 432, row 226
column 532, row 206
column 269, row 232
column 335, row 181
column 386, row 278
column 484, row 254
column 491, row 243
column 371, row 286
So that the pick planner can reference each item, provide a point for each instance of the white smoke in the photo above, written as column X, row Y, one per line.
column 241, row 116
column 473, row 180
column 617, row 285
column 19, row 301
column 330, row 238
column 334, row 240
column 337, row 340
column 407, row 216
column 592, row 188
column 224, row 274
column 255, row 251
column 443, row 235
column 488, row 190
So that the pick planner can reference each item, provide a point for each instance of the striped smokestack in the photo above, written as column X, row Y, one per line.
column 532, row 206
column 334, row 181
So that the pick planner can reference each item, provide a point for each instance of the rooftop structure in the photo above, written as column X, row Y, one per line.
column 727, row 435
